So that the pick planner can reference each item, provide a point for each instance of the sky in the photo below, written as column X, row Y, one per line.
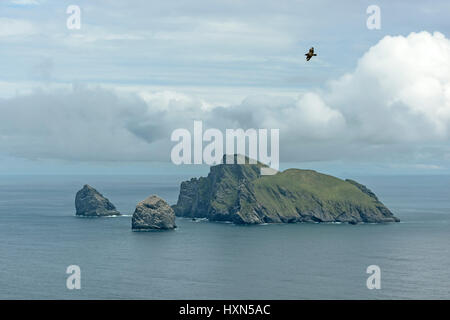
column 105, row 98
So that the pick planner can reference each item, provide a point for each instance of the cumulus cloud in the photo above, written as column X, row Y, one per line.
column 399, row 90
column 394, row 104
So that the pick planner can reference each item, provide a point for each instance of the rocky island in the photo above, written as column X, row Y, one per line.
column 240, row 194
column 91, row 203
column 153, row 213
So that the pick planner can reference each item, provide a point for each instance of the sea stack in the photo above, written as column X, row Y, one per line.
column 153, row 213
column 91, row 203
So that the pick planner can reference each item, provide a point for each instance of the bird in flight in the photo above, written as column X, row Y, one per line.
column 310, row 54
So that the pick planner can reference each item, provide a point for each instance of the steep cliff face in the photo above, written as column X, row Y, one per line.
column 238, row 193
column 218, row 196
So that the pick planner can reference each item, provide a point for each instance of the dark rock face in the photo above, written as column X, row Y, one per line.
column 153, row 213
column 216, row 197
column 90, row 203
column 238, row 193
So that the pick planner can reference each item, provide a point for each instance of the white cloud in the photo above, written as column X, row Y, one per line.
column 25, row 2
column 399, row 90
column 79, row 124
column 229, row 33
column 16, row 27
column 91, row 37
column 395, row 104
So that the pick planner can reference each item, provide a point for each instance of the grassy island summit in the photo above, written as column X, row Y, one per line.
column 240, row 194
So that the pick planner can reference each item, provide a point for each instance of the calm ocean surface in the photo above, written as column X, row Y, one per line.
column 40, row 237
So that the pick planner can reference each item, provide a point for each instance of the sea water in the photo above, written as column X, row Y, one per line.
column 40, row 237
